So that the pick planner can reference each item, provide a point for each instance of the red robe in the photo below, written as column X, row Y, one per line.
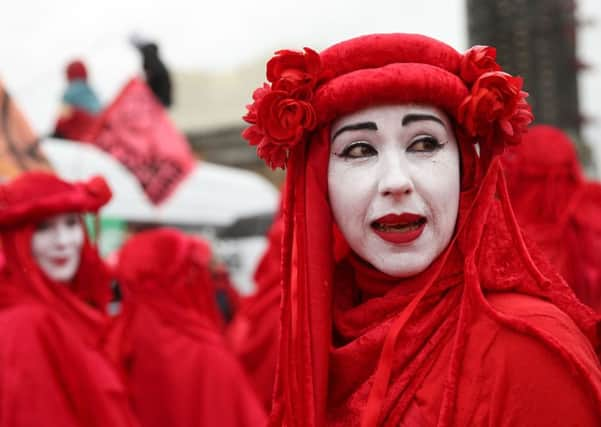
column 52, row 367
column 558, row 208
column 254, row 332
column 169, row 341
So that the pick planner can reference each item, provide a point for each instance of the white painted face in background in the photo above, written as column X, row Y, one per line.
column 56, row 246
column 394, row 185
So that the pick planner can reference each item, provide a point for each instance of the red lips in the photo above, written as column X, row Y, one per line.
column 403, row 228
column 59, row 261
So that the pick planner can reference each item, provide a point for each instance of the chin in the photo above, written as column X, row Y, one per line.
column 404, row 266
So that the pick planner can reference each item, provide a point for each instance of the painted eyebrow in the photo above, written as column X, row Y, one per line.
column 410, row 118
column 356, row 126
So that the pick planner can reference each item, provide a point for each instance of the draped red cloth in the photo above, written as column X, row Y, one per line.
column 558, row 207
column 53, row 368
column 169, row 339
column 254, row 332
column 489, row 334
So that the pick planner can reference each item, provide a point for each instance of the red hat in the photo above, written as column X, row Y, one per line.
column 76, row 70
column 36, row 195
column 308, row 91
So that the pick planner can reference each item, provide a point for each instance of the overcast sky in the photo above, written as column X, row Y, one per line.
column 40, row 36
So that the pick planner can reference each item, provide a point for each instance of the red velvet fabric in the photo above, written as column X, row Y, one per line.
column 254, row 332
column 558, row 208
column 485, row 336
column 52, row 334
column 169, row 339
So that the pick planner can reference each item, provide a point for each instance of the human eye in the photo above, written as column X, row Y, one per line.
column 357, row 150
column 425, row 144
column 43, row 225
column 72, row 220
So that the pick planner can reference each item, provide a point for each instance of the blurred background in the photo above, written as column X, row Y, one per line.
column 215, row 53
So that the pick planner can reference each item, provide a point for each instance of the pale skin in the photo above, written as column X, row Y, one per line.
column 56, row 246
column 393, row 160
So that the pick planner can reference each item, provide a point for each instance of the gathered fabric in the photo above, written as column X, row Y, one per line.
column 169, row 338
column 544, row 172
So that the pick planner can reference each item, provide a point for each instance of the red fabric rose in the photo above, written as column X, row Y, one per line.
column 284, row 119
column 496, row 108
column 294, row 72
column 279, row 124
column 477, row 61
column 258, row 94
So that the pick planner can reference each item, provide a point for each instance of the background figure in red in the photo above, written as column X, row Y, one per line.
column 169, row 339
column 79, row 104
column 53, row 292
column 558, row 208
column 254, row 332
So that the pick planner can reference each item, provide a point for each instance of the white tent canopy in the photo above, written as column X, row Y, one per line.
column 210, row 195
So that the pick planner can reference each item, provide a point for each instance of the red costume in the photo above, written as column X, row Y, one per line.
column 488, row 334
column 254, row 333
column 558, row 208
column 169, row 339
column 53, row 370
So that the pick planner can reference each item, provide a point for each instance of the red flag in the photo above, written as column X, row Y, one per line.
column 137, row 131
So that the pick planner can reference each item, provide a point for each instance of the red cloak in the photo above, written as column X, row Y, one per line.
column 254, row 332
column 558, row 208
column 51, row 335
column 489, row 334
column 169, row 341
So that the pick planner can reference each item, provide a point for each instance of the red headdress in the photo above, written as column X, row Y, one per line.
column 24, row 202
column 340, row 360
column 170, row 271
column 544, row 172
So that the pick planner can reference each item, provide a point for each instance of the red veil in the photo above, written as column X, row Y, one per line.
column 169, row 340
column 52, row 334
column 558, row 208
column 489, row 334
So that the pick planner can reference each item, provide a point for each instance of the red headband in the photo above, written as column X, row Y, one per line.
column 308, row 90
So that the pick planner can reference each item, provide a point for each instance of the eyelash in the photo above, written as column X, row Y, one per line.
column 435, row 145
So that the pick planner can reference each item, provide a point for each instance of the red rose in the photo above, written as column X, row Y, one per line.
column 258, row 94
column 294, row 72
column 496, row 107
column 284, row 119
column 477, row 61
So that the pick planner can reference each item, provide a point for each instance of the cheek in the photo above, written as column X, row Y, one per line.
column 41, row 243
column 349, row 193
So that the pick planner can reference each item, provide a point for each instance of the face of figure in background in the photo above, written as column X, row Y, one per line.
column 394, row 185
column 56, row 245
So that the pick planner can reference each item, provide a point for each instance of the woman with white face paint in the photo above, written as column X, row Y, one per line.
column 409, row 295
column 53, row 292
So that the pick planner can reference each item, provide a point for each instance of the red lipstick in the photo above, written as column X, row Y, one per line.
column 60, row 261
column 403, row 228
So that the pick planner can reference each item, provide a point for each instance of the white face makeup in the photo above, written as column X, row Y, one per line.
column 394, row 185
column 56, row 246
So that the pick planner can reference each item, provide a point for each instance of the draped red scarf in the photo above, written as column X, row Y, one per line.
column 356, row 346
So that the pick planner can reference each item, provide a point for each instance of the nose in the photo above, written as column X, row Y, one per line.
column 63, row 235
column 395, row 179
